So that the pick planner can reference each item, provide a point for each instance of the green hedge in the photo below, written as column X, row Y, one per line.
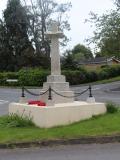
column 32, row 77
column 36, row 77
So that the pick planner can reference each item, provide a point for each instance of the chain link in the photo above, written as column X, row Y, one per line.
column 52, row 90
column 78, row 94
column 35, row 94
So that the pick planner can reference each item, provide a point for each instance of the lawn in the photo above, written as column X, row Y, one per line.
column 107, row 124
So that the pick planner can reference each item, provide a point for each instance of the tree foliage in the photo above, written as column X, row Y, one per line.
column 71, row 58
column 16, row 47
column 5, row 56
column 107, row 33
column 68, row 61
column 117, row 2
column 40, row 15
column 81, row 52
column 23, row 42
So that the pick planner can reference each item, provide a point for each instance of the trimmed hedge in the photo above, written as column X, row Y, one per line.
column 32, row 77
column 36, row 77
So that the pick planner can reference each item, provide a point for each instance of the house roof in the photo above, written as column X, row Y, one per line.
column 98, row 60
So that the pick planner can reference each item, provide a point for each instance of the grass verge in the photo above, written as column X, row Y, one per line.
column 108, row 80
column 107, row 124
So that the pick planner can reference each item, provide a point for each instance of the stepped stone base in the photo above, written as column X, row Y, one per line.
column 59, row 84
column 58, row 114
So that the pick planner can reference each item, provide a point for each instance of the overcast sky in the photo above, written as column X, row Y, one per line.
column 79, row 12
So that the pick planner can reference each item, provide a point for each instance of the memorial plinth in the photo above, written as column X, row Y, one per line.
column 61, row 109
column 59, row 114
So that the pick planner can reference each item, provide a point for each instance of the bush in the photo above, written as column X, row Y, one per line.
column 8, row 75
column 75, row 77
column 32, row 77
column 103, row 75
column 36, row 77
column 104, row 66
column 92, row 76
column 111, row 107
column 14, row 120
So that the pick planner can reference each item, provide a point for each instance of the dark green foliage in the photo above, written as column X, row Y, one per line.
column 8, row 75
column 15, row 47
column 82, row 52
column 23, row 42
column 36, row 77
column 68, row 61
column 92, row 76
column 106, row 36
column 111, row 107
column 71, row 58
column 109, row 72
column 14, row 120
column 104, row 66
column 32, row 77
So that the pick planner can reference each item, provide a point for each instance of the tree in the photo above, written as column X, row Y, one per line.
column 40, row 15
column 23, row 39
column 16, row 33
column 68, row 61
column 107, row 33
column 5, row 58
column 117, row 2
column 81, row 52
column 71, row 58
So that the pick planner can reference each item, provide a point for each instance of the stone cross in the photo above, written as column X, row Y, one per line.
column 54, row 35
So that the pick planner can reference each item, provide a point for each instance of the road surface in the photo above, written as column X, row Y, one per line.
column 75, row 152
column 102, row 93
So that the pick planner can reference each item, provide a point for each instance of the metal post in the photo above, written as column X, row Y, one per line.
column 50, row 94
column 23, row 93
column 90, row 91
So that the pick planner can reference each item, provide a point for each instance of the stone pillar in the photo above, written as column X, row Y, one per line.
column 56, row 81
column 54, row 36
column 55, row 57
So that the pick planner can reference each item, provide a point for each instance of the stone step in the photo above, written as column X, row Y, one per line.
column 56, row 78
column 57, row 86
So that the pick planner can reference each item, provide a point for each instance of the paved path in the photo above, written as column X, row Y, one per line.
column 100, row 92
column 76, row 152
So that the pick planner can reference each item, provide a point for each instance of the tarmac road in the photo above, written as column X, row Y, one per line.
column 101, row 93
column 75, row 152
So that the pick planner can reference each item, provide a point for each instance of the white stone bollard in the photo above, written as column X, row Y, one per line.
column 90, row 100
column 23, row 100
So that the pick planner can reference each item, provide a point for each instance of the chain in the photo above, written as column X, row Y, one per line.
column 78, row 94
column 52, row 90
column 35, row 94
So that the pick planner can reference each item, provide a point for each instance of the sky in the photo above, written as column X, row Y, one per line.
column 79, row 12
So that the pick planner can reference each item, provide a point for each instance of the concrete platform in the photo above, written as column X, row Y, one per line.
column 59, row 114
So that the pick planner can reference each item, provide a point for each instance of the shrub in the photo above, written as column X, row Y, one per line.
column 103, row 75
column 14, row 120
column 36, row 76
column 111, row 107
column 32, row 77
column 75, row 77
column 92, row 76
column 104, row 66
column 8, row 75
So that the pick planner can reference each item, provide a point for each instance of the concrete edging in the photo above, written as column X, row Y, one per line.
column 47, row 143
